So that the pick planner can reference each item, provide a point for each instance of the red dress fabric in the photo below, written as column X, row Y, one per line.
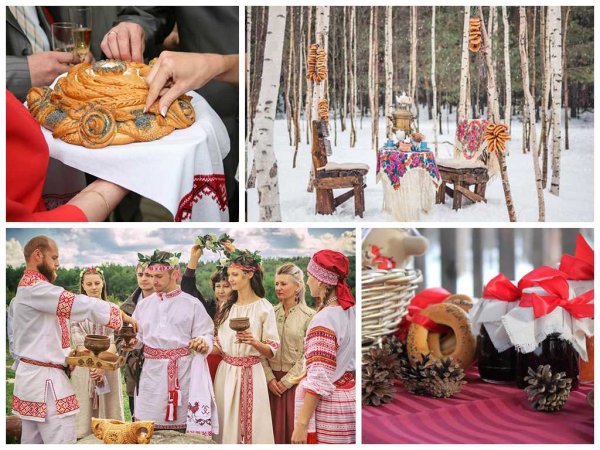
column 27, row 159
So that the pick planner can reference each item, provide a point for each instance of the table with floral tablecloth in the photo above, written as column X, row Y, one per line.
column 409, row 179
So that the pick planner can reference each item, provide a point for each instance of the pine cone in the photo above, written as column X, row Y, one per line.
column 413, row 377
column 398, row 349
column 547, row 392
column 444, row 378
column 378, row 367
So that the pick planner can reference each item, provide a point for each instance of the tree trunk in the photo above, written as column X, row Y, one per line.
column 565, row 77
column 494, row 113
column 389, row 70
column 433, row 84
column 507, row 80
column 532, row 58
column 300, row 78
column 464, row 101
column 262, row 138
column 554, row 28
column 344, row 110
column 530, row 111
column 375, row 113
column 413, row 62
column 545, row 71
column 352, row 70
column 248, row 62
column 309, row 83
column 288, row 82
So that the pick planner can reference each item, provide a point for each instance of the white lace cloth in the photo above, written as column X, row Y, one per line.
column 526, row 332
column 488, row 313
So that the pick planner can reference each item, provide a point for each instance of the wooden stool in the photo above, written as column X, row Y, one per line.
column 329, row 176
column 462, row 174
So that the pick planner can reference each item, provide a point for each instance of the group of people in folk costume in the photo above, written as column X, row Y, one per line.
column 187, row 369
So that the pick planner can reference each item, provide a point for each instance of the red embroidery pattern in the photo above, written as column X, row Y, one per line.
column 67, row 404
column 274, row 345
column 31, row 278
column 211, row 185
column 321, row 346
column 29, row 409
column 33, row 362
column 63, row 312
column 347, row 381
column 322, row 274
column 171, row 294
column 115, row 321
column 246, row 393
column 173, row 382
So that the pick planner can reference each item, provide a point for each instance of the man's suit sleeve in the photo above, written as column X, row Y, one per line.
column 18, row 77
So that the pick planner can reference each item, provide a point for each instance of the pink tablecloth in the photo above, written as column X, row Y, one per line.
column 481, row 413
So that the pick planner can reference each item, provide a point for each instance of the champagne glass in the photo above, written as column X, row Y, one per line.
column 81, row 17
column 62, row 37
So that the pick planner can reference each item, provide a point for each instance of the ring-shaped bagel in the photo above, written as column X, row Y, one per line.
column 420, row 341
column 462, row 300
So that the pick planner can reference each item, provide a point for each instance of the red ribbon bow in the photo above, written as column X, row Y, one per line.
column 422, row 300
column 501, row 288
column 579, row 307
column 385, row 262
column 581, row 265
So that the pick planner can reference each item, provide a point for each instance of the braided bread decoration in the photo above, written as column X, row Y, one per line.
column 475, row 34
column 496, row 135
column 102, row 104
column 323, row 109
column 316, row 64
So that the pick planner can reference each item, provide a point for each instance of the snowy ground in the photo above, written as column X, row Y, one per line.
column 575, row 203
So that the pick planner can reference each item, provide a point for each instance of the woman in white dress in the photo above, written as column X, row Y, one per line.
column 325, row 398
column 240, row 384
column 99, row 392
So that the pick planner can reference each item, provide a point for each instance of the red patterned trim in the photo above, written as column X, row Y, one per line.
column 322, row 274
column 33, row 362
column 63, row 312
column 67, row 404
column 246, row 392
column 212, row 185
column 29, row 409
column 272, row 344
column 53, row 201
column 347, row 381
column 115, row 321
column 171, row 294
column 31, row 278
column 321, row 346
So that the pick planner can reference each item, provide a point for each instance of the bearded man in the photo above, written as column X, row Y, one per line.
column 175, row 389
column 43, row 396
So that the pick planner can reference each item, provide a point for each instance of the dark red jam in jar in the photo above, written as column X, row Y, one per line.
column 495, row 366
column 557, row 352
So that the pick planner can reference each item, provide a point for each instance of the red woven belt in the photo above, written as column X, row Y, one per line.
column 33, row 362
column 246, row 392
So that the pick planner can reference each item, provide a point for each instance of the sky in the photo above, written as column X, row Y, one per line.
column 94, row 246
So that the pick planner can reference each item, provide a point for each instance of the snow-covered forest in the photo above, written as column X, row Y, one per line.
column 529, row 69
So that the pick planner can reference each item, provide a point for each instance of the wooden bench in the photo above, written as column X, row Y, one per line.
column 457, row 178
column 329, row 176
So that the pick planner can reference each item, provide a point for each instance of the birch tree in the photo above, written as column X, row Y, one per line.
column 389, row 70
column 554, row 27
column 433, row 85
column 289, row 83
column 530, row 110
column 413, row 81
column 545, row 66
column 507, row 80
column 464, row 102
column 566, row 77
column 344, row 110
column 494, row 113
column 262, row 138
column 352, row 70
column 309, row 84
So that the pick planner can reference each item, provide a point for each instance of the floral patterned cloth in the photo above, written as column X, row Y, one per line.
column 470, row 135
column 395, row 164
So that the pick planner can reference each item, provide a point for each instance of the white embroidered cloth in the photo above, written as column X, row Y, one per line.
column 526, row 332
column 182, row 171
column 202, row 417
column 488, row 313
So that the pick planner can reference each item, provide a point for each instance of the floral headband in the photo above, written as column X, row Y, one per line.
column 171, row 260
column 91, row 269
column 242, row 259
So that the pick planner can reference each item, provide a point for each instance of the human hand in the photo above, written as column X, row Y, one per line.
column 198, row 344
column 125, row 41
column 132, row 343
column 299, row 434
column 281, row 387
column 272, row 385
column 228, row 246
column 175, row 73
column 44, row 67
column 245, row 337
column 97, row 375
column 129, row 320
column 196, row 253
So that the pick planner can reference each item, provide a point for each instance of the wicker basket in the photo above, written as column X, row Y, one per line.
column 385, row 298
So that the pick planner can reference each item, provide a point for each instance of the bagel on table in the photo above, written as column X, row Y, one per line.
column 420, row 341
